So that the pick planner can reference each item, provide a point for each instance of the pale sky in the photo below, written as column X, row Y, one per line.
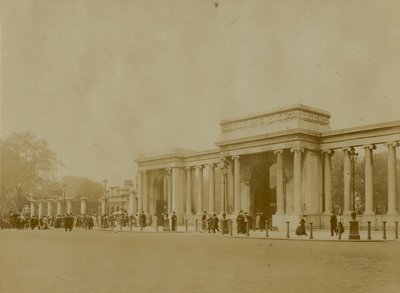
column 104, row 81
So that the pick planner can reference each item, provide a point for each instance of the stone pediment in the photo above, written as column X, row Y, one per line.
column 288, row 118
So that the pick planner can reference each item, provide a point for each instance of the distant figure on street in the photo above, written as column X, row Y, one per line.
column 240, row 223
column 333, row 221
column 247, row 222
column 142, row 220
column 215, row 223
column 204, row 221
column 154, row 221
column 173, row 221
column 209, row 223
column 340, row 227
column 301, row 229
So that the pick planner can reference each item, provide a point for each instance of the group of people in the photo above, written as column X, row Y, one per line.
column 210, row 222
column 336, row 224
column 246, row 221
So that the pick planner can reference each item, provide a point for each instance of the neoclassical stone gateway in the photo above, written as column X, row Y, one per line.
column 275, row 162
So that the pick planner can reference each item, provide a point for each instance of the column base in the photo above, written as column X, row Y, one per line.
column 354, row 232
column 392, row 213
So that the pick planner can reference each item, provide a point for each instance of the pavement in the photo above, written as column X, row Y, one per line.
column 100, row 261
column 317, row 235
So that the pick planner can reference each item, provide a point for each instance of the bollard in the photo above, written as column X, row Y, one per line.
column 369, row 230
column 197, row 227
column 186, row 227
column 247, row 228
column 287, row 229
column 384, row 230
column 396, row 231
column 230, row 227
column 130, row 225
column 266, row 229
column 311, row 231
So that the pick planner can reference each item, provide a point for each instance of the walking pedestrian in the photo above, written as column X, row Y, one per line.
column 334, row 223
column 173, row 221
column 301, row 229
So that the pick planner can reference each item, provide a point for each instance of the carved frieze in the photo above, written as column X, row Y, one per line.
column 274, row 118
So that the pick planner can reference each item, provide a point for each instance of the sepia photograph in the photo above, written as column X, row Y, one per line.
column 199, row 146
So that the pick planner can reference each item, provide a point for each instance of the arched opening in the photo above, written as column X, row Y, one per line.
column 262, row 193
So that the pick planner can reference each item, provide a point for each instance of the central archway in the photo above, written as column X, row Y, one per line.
column 262, row 190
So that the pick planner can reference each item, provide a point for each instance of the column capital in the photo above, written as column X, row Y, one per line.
column 347, row 150
column 142, row 171
column 370, row 146
column 276, row 152
column 199, row 167
column 393, row 144
column 212, row 165
column 297, row 149
column 188, row 168
column 328, row 152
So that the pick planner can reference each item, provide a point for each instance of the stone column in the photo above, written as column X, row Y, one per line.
column 368, row 181
column 32, row 208
column 59, row 207
column 327, row 181
column 40, row 210
column 145, row 193
column 199, row 186
column 346, row 181
column 392, row 188
column 69, row 206
column 174, row 184
column 230, row 188
column 131, row 203
column 237, row 185
column 211, row 182
column 188, row 191
column 165, row 190
column 279, row 183
column 169, row 191
column 224, row 185
column 103, row 207
column 297, row 188
column 49, row 208
column 140, row 192
column 83, row 205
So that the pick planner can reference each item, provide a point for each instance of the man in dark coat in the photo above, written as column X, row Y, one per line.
column 333, row 221
column 215, row 223
column 173, row 221
column 142, row 220
column 240, row 223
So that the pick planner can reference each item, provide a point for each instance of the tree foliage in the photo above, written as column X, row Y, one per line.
column 27, row 167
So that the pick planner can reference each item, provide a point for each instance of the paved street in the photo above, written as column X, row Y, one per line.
column 98, row 261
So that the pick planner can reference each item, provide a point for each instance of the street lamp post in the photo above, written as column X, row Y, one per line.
column 64, row 187
column 105, row 181
column 354, row 232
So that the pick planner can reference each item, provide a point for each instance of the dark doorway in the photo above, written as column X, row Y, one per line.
column 262, row 197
